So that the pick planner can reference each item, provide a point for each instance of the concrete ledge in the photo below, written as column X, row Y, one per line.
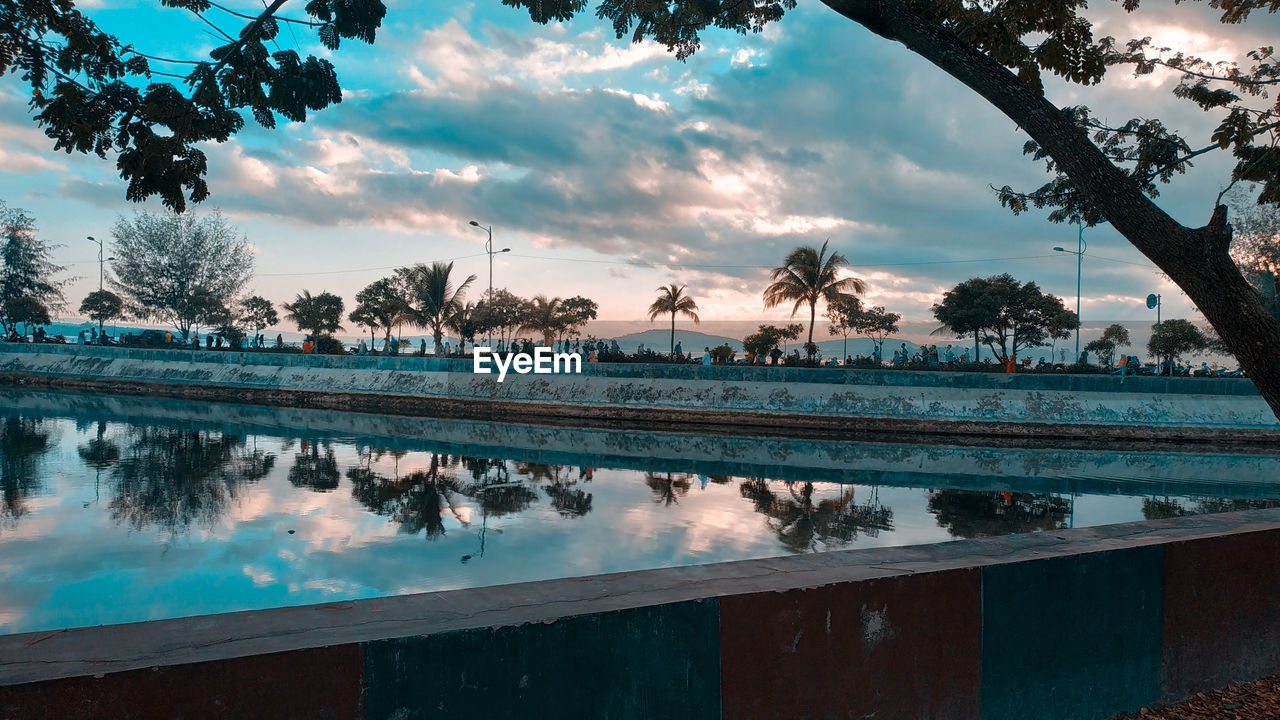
column 949, row 630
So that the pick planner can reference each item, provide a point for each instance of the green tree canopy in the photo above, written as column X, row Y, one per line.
column 319, row 315
column 257, row 313
column 28, row 311
column 499, row 311
column 1113, row 337
column 182, row 270
column 432, row 297
column 101, row 306
column 1176, row 338
column 26, row 270
column 767, row 337
column 806, row 276
column 379, row 306
column 1007, row 315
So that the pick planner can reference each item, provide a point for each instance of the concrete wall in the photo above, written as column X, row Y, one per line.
column 668, row 391
column 1073, row 624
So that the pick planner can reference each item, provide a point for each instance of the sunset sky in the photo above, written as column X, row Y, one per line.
column 610, row 168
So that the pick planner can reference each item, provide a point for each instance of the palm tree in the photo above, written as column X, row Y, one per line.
column 807, row 276
column 463, row 322
column 433, row 298
column 545, row 317
column 671, row 299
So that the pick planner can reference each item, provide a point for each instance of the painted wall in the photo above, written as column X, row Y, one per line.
column 917, row 396
column 1074, row 624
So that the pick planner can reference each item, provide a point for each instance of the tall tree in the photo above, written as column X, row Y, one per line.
column 1113, row 337
column 26, row 270
column 179, row 269
column 1009, row 315
column 544, row 316
column 877, row 324
column 380, row 305
column 840, row 315
column 320, row 314
column 258, row 313
column 1175, row 338
column 463, row 322
column 576, row 312
column 101, row 306
column 968, row 308
column 806, row 276
column 432, row 297
column 500, row 311
column 673, row 300
column 28, row 311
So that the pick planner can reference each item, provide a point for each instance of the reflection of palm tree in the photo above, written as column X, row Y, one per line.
column 808, row 275
column 667, row 488
column 671, row 299
column 22, row 443
column 417, row 502
column 100, row 453
column 172, row 477
column 977, row 513
column 493, row 488
column 559, row 485
column 801, row 525
column 314, row 470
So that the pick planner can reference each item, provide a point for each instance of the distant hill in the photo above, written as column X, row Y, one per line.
column 660, row 340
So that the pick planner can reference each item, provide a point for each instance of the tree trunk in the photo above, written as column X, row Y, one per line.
column 813, row 316
column 975, row 346
column 1195, row 259
column 673, row 332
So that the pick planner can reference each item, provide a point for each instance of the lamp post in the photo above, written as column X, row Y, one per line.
column 488, row 248
column 1081, row 246
column 100, row 260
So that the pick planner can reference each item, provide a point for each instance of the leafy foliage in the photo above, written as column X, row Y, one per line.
column 101, row 306
column 257, row 312
column 380, row 305
column 1114, row 336
column 94, row 93
column 673, row 300
column 1176, row 338
column 431, row 295
column 1256, row 246
column 808, row 275
column 319, row 314
column 1007, row 315
column 500, row 311
column 26, row 271
column 762, row 342
column 182, row 270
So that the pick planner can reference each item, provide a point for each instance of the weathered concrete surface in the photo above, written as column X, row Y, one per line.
column 1064, row 624
column 741, row 397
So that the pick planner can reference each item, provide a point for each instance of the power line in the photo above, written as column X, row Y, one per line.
column 695, row 266
column 357, row 270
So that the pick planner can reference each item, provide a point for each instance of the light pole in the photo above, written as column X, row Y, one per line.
column 100, row 260
column 488, row 248
column 1081, row 246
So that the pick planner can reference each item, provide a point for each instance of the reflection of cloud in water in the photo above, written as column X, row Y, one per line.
column 209, row 520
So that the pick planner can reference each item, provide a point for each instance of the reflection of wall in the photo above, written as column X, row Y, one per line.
column 1073, row 623
column 682, row 392
column 937, row 466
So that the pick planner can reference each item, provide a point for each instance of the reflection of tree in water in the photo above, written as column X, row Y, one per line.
column 801, row 525
column 978, row 513
column 1159, row 508
column 171, row 477
column 667, row 488
column 492, row 487
column 558, row 483
column 417, row 501
column 22, row 443
column 100, row 453
column 315, row 467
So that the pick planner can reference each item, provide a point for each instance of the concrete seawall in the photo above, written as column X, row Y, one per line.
column 1078, row 623
column 733, row 396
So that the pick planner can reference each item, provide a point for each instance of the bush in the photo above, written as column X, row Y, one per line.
column 329, row 345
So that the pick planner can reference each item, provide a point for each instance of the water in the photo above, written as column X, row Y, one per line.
column 118, row 509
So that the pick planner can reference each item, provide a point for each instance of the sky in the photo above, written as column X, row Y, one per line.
column 610, row 168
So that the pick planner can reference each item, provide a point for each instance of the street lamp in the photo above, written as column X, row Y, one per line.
column 1081, row 246
column 100, row 260
column 488, row 248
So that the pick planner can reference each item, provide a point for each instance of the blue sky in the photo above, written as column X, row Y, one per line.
column 610, row 168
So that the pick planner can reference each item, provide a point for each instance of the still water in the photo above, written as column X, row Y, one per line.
column 117, row 509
